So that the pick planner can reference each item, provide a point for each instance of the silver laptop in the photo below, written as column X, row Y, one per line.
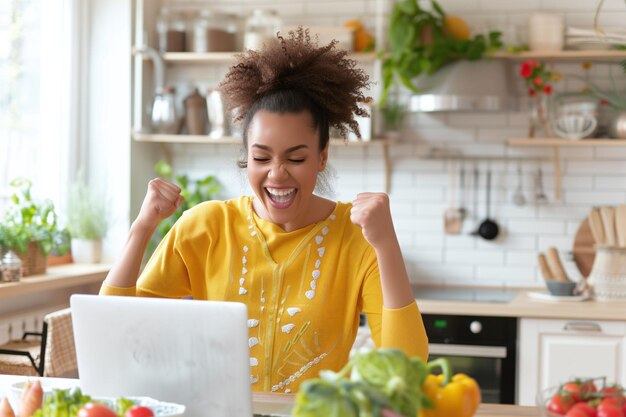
column 189, row 352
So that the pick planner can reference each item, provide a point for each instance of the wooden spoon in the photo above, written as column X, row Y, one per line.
column 543, row 266
column 597, row 229
column 620, row 225
column 556, row 267
column 608, row 222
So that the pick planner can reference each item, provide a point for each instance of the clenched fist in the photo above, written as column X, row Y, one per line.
column 161, row 201
column 371, row 212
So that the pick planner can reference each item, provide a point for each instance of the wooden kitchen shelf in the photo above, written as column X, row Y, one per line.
column 555, row 144
column 228, row 57
column 565, row 142
column 607, row 56
column 205, row 139
column 64, row 276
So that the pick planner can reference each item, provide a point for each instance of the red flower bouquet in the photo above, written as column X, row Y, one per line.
column 537, row 79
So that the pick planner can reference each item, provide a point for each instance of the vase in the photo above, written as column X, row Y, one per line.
column 608, row 274
column 86, row 251
column 539, row 125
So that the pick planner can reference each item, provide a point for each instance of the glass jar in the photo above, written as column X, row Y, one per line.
column 164, row 115
column 261, row 27
column 171, row 31
column 214, row 32
column 11, row 266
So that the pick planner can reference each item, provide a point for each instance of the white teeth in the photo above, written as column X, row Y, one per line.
column 280, row 192
column 281, row 195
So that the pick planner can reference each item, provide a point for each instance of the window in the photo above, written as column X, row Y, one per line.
column 38, row 86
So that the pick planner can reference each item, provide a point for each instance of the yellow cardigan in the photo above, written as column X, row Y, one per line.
column 304, row 289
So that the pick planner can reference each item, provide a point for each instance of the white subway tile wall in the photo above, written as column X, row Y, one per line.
column 421, row 187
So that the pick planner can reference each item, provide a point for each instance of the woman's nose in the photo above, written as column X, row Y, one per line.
column 277, row 171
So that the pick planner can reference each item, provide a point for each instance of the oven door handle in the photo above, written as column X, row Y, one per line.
column 477, row 351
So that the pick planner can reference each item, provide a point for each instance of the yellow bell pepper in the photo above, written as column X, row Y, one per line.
column 457, row 395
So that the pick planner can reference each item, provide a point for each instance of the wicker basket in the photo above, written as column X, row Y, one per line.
column 608, row 274
column 34, row 262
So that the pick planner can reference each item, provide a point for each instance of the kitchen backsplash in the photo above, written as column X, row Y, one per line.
column 420, row 185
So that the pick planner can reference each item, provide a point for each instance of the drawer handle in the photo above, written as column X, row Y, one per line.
column 581, row 326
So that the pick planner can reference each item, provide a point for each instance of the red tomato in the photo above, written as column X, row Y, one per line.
column 586, row 388
column 585, row 408
column 610, row 391
column 560, row 404
column 139, row 411
column 573, row 389
column 95, row 410
column 576, row 412
column 607, row 409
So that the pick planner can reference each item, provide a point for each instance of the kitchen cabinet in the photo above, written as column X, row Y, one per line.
column 553, row 351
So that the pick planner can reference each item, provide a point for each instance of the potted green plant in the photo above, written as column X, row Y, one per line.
column 87, row 217
column 193, row 191
column 29, row 228
column 393, row 113
column 421, row 43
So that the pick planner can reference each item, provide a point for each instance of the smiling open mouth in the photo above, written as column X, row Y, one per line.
column 281, row 198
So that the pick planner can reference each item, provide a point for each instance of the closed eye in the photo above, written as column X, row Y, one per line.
column 261, row 159
column 296, row 161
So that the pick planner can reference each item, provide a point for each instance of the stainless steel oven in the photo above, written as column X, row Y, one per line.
column 483, row 347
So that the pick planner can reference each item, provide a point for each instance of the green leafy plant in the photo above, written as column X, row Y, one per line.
column 28, row 220
column 413, row 53
column 87, row 211
column 393, row 114
column 193, row 191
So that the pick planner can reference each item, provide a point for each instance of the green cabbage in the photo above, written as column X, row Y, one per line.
column 399, row 377
column 382, row 378
column 320, row 398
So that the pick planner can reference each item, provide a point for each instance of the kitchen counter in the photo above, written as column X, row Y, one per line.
column 35, row 292
column 56, row 277
column 523, row 306
column 266, row 401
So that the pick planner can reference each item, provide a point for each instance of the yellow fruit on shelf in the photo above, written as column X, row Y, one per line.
column 456, row 27
column 363, row 40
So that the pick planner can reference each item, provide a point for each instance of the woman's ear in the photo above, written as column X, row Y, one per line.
column 323, row 158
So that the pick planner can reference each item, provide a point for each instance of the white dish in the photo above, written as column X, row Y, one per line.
column 544, row 296
column 47, row 385
column 159, row 408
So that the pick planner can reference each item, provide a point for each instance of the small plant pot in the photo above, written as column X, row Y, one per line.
column 86, row 251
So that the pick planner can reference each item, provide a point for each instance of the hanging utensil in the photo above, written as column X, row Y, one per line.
column 462, row 208
column 452, row 217
column 488, row 229
column 518, row 195
column 475, row 202
column 540, row 195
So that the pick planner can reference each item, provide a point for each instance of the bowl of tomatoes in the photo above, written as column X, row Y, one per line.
column 583, row 397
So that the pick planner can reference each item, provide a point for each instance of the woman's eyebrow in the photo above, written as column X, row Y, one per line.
column 289, row 150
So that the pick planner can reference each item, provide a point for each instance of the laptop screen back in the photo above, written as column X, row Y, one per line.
column 189, row 352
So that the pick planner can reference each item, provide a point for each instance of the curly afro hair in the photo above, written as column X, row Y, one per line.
column 294, row 75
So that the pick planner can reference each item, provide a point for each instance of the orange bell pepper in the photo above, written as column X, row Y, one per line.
column 457, row 395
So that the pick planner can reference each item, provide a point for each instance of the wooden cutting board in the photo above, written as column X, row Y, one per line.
column 584, row 248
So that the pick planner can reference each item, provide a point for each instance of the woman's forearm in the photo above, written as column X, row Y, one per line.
column 394, row 279
column 125, row 271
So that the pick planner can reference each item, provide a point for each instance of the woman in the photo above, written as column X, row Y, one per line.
column 304, row 265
